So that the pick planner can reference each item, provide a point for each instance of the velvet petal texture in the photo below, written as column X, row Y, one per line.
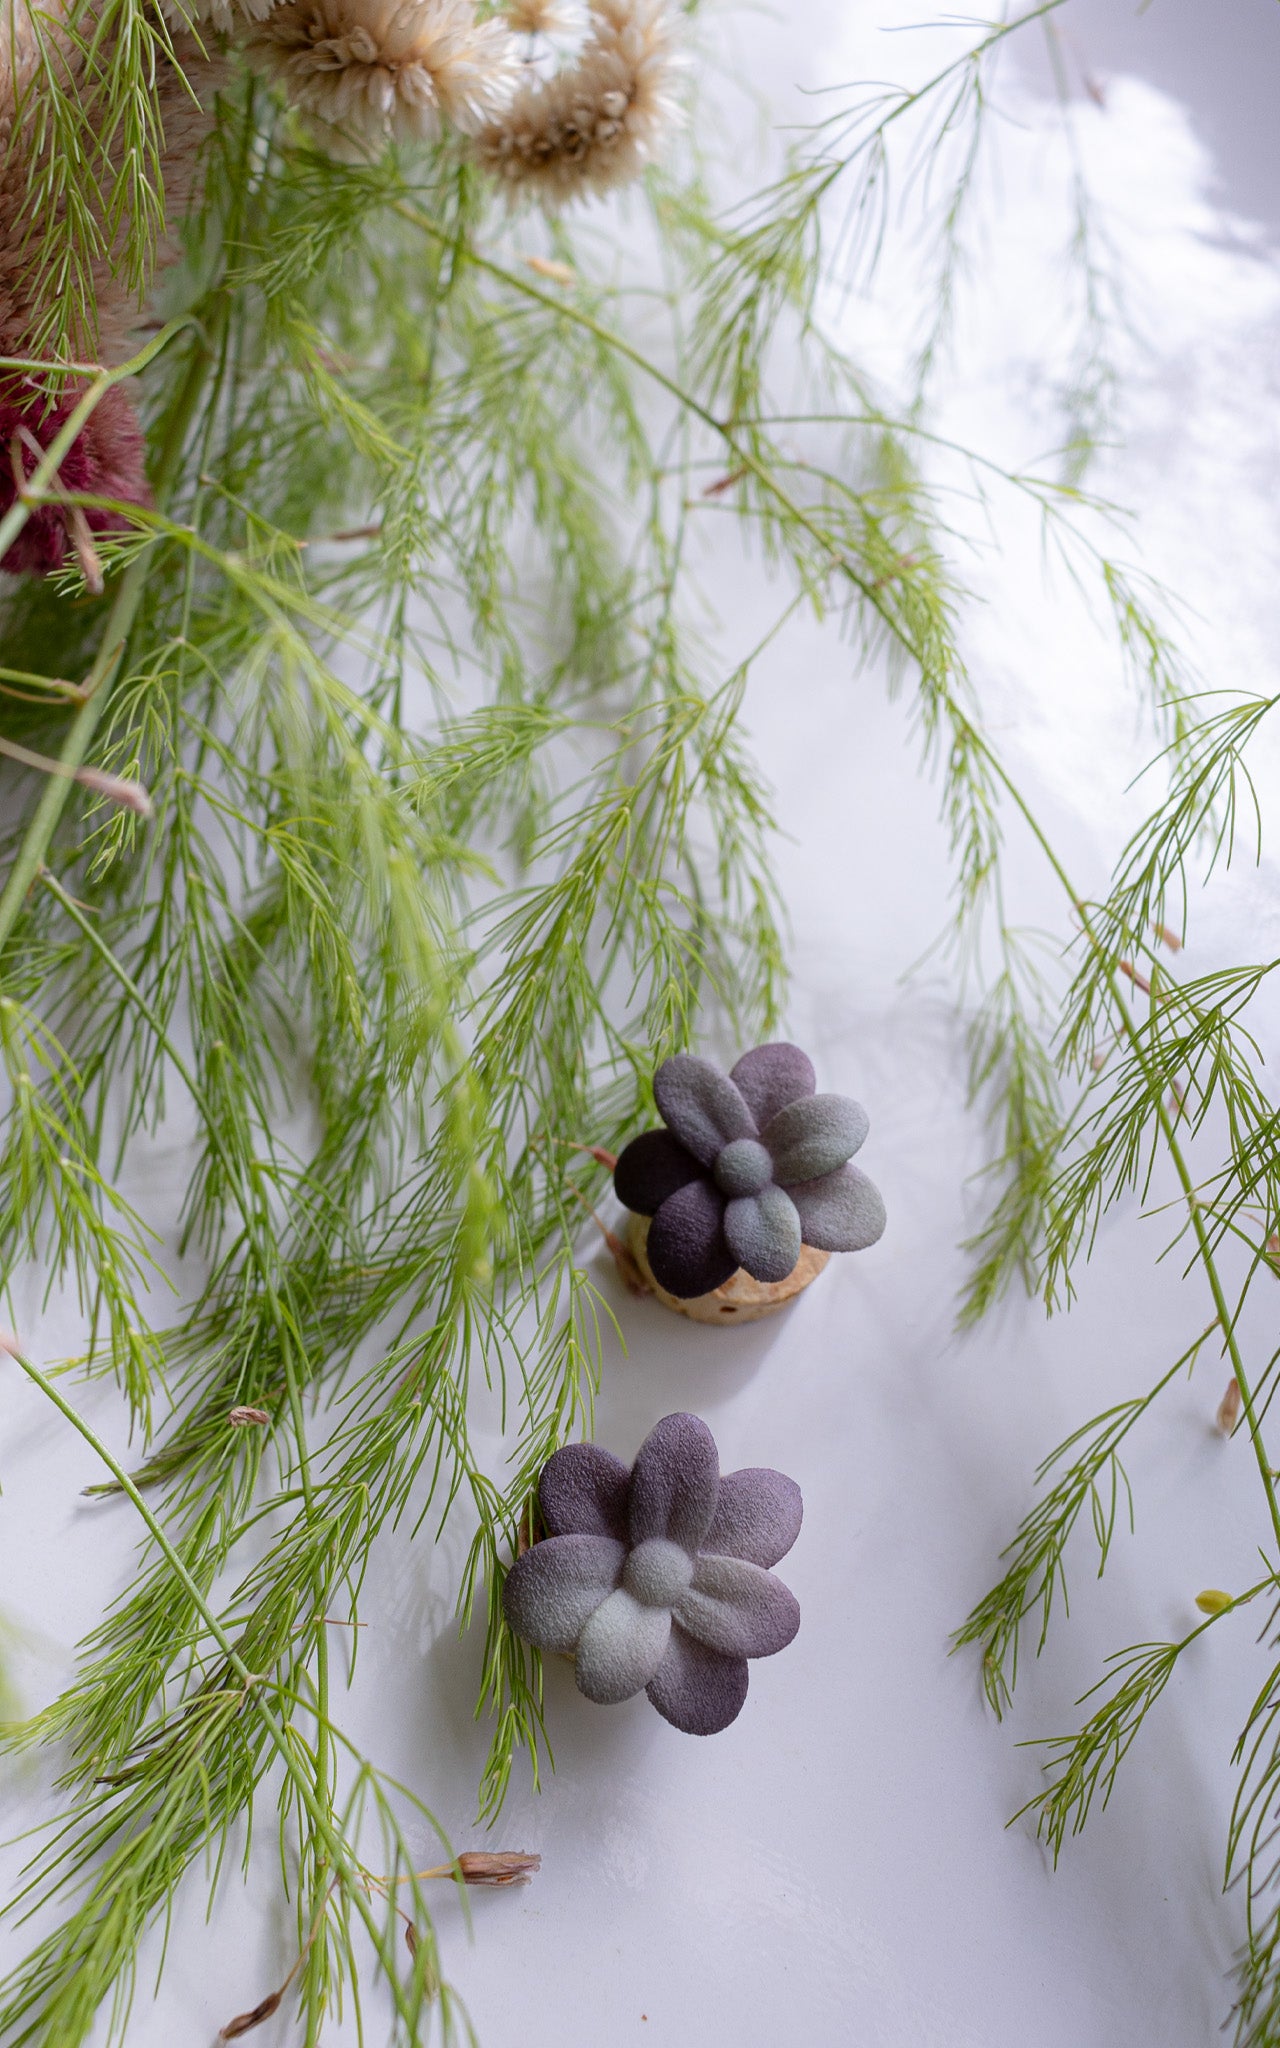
column 752, row 1166
column 814, row 1136
column 758, row 1515
column 675, row 1482
column 771, row 1076
column 696, row 1689
column 664, row 1585
column 651, row 1168
column 620, row 1648
column 842, row 1212
column 583, row 1491
column 687, row 1249
column 553, row 1590
column 701, row 1105
column 739, row 1609
column 763, row 1233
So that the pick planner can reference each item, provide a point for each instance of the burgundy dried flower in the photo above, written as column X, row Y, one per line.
column 107, row 459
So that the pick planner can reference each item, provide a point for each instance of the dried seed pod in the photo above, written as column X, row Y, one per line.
column 245, row 2022
column 498, row 1867
column 539, row 17
column 598, row 122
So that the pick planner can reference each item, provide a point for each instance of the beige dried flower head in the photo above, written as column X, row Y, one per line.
column 541, row 17
column 598, row 122
column 364, row 70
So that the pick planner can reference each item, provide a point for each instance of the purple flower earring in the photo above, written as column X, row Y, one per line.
column 749, row 1182
column 657, row 1579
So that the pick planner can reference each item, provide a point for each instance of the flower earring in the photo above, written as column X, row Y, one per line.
column 738, row 1203
column 657, row 1579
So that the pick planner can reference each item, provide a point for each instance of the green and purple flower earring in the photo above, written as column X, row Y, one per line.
column 738, row 1203
column 657, row 1579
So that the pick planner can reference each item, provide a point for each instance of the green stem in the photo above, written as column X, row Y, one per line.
column 747, row 459
column 1177, row 1156
column 252, row 1221
column 744, row 456
column 322, row 1881
column 343, row 1860
column 38, row 836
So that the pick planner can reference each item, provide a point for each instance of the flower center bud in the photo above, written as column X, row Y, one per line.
column 657, row 1572
column 743, row 1168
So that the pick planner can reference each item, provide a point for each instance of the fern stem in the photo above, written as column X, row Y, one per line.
column 1178, row 1158
column 764, row 475
column 794, row 510
column 344, row 1862
column 745, row 457
column 323, row 1884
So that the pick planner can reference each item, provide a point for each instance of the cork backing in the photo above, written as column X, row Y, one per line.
column 741, row 1299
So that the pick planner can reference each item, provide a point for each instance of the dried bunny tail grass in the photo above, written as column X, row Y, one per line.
column 365, row 70
column 185, row 95
column 597, row 123
column 185, row 91
column 17, row 60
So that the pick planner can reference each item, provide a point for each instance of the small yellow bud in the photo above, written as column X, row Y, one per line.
column 1212, row 1600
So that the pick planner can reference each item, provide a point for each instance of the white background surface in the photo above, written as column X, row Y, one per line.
column 835, row 1868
